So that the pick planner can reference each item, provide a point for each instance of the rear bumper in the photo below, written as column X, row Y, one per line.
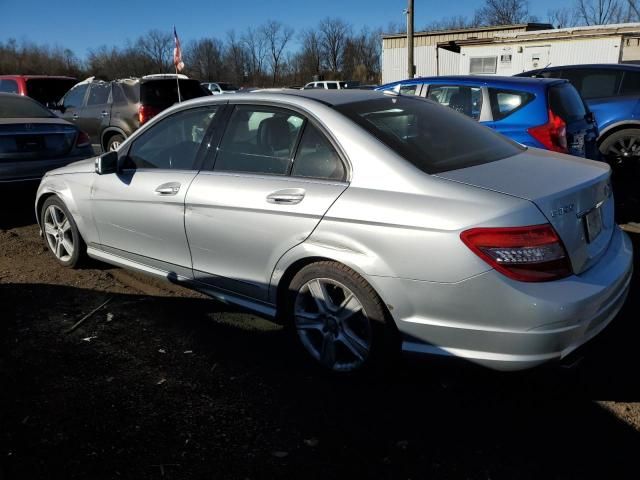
column 32, row 170
column 503, row 324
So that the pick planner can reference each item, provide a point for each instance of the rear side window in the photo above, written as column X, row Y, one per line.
column 332, row 86
column 433, row 138
column 461, row 98
column 565, row 102
column 258, row 140
column 507, row 102
column 408, row 89
column 173, row 142
column 8, row 86
column 118, row 95
column 316, row 157
column 592, row 83
column 99, row 94
column 630, row 83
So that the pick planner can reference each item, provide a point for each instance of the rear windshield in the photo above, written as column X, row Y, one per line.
column 165, row 92
column 14, row 106
column 49, row 90
column 565, row 101
column 432, row 137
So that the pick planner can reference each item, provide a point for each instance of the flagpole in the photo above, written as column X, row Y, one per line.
column 178, row 84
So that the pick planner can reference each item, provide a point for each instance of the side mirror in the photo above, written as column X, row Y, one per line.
column 107, row 163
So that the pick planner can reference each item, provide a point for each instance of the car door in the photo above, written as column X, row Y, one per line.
column 139, row 212
column 94, row 117
column 275, row 175
column 73, row 102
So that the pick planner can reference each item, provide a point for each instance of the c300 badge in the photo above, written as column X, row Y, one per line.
column 562, row 210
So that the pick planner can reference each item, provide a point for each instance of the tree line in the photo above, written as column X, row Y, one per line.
column 264, row 55
column 274, row 54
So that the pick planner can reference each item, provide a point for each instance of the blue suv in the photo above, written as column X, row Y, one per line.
column 542, row 113
column 612, row 93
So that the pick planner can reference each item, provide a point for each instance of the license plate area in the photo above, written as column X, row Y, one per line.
column 593, row 224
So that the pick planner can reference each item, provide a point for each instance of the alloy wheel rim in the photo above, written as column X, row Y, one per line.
column 625, row 147
column 57, row 229
column 332, row 325
column 114, row 146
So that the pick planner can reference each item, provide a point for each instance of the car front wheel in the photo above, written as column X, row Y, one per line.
column 114, row 142
column 338, row 320
column 61, row 233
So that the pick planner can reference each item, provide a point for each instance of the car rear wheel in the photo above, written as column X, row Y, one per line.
column 338, row 320
column 61, row 233
column 114, row 142
column 622, row 151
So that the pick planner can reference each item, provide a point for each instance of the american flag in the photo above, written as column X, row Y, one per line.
column 177, row 52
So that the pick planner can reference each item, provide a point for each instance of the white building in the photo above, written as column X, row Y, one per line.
column 510, row 49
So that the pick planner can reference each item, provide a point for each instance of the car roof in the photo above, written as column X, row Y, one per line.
column 497, row 81
column 334, row 97
column 599, row 66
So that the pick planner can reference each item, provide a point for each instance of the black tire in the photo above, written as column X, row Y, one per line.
column 116, row 140
column 382, row 334
column 79, row 247
column 622, row 151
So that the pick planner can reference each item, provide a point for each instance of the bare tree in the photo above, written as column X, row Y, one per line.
column 310, row 61
column 256, row 48
column 334, row 33
column 235, row 58
column 276, row 36
column 562, row 17
column 157, row 46
column 203, row 59
column 599, row 12
column 451, row 23
column 503, row 12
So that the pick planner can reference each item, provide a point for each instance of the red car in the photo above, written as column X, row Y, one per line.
column 45, row 89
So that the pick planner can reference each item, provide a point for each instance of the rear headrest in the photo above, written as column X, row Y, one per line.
column 274, row 133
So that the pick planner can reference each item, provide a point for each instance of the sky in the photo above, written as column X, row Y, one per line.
column 84, row 24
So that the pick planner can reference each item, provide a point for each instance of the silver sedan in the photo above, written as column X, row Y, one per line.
column 369, row 223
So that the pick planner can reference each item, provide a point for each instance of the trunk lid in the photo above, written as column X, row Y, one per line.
column 35, row 139
column 572, row 193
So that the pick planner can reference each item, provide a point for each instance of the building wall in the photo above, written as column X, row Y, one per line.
column 541, row 53
column 394, row 63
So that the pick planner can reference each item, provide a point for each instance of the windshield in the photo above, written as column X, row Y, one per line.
column 432, row 137
column 14, row 106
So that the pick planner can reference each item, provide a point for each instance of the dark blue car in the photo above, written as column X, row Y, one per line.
column 542, row 113
column 612, row 93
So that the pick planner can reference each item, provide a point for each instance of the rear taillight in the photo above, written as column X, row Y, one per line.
column 528, row 254
column 83, row 139
column 146, row 113
column 553, row 134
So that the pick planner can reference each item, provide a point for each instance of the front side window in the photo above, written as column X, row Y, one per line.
column 8, row 86
column 432, row 138
column 408, row 89
column 507, row 102
column 483, row 65
column 316, row 157
column 98, row 94
column 258, row 140
column 461, row 98
column 75, row 97
column 173, row 142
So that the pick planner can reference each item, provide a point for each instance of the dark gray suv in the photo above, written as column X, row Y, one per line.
column 111, row 111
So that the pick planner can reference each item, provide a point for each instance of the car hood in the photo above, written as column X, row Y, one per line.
column 563, row 187
column 83, row 166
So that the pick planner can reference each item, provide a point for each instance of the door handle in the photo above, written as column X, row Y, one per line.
column 289, row 196
column 171, row 188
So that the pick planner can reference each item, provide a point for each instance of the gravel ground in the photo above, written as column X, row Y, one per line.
column 163, row 383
